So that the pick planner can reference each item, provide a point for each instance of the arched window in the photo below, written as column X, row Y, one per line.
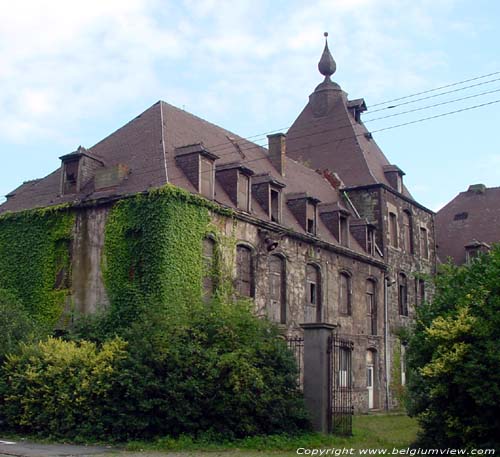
column 403, row 294
column 208, row 268
column 276, row 309
column 345, row 293
column 244, row 271
column 312, row 309
column 408, row 232
column 371, row 306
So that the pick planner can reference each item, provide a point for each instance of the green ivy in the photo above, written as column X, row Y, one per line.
column 34, row 259
column 153, row 253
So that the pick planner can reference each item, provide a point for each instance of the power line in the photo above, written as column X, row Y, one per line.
column 433, row 106
column 436, row 95
column 436, row 88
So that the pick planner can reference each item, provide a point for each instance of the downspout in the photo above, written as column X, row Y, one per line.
column 386, row 340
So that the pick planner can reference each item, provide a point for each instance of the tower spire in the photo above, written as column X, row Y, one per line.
column 327, row 65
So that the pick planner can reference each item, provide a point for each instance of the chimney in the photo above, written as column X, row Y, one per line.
column 277, row 151
column 477, row 188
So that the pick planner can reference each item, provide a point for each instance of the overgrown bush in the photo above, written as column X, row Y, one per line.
column 15, row 324
column 223, row 372
column 454, row 358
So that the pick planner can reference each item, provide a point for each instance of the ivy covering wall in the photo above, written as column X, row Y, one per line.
column 34, row 260
column 153, row 253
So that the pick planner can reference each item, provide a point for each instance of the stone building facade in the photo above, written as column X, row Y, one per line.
column 324, row 229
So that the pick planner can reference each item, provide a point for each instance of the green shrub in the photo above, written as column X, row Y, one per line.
column 17, row 326
column 222, row 373
column 62, row 388
column 454, row 358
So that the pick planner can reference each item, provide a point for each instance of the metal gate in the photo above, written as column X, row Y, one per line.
column 340, row 381
column 296, row 345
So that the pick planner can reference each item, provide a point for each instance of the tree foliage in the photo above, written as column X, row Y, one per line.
column 454, row 357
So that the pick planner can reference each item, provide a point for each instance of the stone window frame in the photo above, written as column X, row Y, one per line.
column 403, row 294
column 408, row 242
column 318, row 290
column 347, row 311
column 283, row 284
column 372, row 306
column 251, row 270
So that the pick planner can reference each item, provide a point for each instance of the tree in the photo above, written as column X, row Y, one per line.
column 454, row 357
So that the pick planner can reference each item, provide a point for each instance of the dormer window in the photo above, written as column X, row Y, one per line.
column 235, row 179
column 304, row 208
column 356, row 107
column 275, row 204
column 336, row 218
column 267, row 191
column 370, row 241
column 364, row 233
column 198, row 164
column 77, row 170
column 343, row 230
column 394, row 176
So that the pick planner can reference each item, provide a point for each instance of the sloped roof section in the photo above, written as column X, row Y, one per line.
column 472, row 216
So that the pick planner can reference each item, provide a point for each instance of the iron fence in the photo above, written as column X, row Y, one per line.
column 296, row 346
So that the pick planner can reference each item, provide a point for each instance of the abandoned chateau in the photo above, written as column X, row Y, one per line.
column 318, row 227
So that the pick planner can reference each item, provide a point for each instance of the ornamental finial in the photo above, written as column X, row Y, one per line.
column 326, row 65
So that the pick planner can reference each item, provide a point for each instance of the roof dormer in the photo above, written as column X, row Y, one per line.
column 77, row 170
column 267, row 191
column 356, row 107
column 336, row 218
column 198, row 164
column 236, row 180
column 394, row 176
column 304, row 208
column 364, row 233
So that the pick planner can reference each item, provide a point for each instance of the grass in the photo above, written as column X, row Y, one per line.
column 369, row 432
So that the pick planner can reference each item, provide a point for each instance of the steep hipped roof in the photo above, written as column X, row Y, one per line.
column 147, row 144
column 472, row 216
column 329, row 134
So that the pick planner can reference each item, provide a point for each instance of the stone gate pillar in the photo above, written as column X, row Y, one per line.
column 317, row 383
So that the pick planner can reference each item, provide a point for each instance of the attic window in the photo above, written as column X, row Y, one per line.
column 207, row 177
column 275, row 196
column 243, row 192
column 311, row 219
column 70, row 177
column 343, row 231
column 370, row 241
column 461, row 216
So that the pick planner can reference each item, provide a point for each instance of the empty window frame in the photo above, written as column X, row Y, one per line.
column 421, row 291
column 207, row 171
column 345, row 293
column 343, row 231
column 243, row 197
column 312, row 308
column 276, row 310
column 424, row 243
column 208, row 268
column 370, row 241
column 393, row 229
column 311, row 218
column 244, row 271
column 407, row 232
column 275, row 204
column 70, row 177
column 403, row 294
column 371, row 306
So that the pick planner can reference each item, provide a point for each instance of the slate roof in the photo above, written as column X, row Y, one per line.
column 147, row 146
column 471, row 216
column 328, row 135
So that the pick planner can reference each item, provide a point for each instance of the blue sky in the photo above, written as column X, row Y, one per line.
column 72, row 72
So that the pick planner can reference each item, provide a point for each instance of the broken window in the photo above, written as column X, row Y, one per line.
column 206, row 177
column 371, row 305
column 275, row 205
column 345, row 293
column 408, row 232
column 393, row 230
column 208, row 268
column 403, row 295
column 244, row 271
column 70, row 177
column 312, row 311
column 311, row 218
column 276, row 310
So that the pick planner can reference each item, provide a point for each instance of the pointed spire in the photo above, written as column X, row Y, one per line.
column 327, row 65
